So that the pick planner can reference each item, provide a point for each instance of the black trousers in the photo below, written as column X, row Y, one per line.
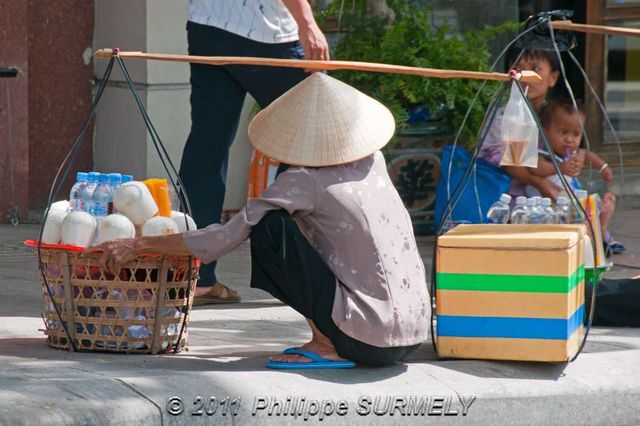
column 217, row 97
column 284, row 264
column 617, row 303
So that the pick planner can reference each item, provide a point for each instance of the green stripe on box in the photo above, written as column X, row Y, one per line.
column 517, row 283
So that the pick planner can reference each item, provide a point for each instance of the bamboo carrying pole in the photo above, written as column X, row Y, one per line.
column 527, row 76
column 597, row 29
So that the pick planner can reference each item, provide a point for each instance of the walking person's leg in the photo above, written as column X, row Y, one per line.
column 216, row 103
column 266, row 84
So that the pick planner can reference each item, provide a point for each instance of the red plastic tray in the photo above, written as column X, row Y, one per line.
column 67, row 247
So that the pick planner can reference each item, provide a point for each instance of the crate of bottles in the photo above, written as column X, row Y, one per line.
column 510, row 292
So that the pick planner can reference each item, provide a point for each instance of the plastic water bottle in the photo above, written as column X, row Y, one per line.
column 75, row 199
column 536, row 215
column 562, row 210
column 499, row 211
column 139, row 331
column 532, row 214
column 115, row 180
column 548, row 214
column 519, row 211
column 582, row 196
column 86, row 194
column 102, row 196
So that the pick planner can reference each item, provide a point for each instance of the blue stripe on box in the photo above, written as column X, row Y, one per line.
column 507, row 327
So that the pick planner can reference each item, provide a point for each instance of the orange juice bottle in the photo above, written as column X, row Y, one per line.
column 160, row 192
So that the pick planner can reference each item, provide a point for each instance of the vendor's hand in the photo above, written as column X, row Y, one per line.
column 313, row 43
column 548, row 189
column 113, row 254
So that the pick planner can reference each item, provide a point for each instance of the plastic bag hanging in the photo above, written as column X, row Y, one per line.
column 519, row 132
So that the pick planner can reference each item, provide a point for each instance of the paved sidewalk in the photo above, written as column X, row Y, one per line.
column 229, row 345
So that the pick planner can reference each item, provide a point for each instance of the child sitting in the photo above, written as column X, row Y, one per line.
column 547, row 66
column 563, row 128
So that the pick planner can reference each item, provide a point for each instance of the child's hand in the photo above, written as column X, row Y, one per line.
column 606, row 173
column 573, row 165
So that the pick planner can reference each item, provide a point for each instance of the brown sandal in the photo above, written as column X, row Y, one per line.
column 218, row 295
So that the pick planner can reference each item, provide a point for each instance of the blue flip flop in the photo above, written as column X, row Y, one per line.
column 317, row 362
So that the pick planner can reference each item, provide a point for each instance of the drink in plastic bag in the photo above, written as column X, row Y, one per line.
column 499, row 211
column 519, row 211
column 519, row 132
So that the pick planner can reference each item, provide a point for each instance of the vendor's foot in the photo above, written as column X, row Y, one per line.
column 215, row 295
column 324, row 350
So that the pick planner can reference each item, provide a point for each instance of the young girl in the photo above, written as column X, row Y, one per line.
column 330, row 237
column 564, row 132
column 546, row 65
column 563, row 128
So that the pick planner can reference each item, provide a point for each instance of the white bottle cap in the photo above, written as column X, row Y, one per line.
column 505, row 198
column 521, row 200
column 546, row 201
column 561, row 201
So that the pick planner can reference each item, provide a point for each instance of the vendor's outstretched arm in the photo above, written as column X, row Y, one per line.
column 216, row 240
column 113, row 254
column 544, row 169
column 545, row 186
column 167, row 244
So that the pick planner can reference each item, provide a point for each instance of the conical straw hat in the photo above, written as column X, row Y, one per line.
column 321, row 122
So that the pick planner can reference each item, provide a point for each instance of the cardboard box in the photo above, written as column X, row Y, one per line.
column 510, row 292
column 591, row 205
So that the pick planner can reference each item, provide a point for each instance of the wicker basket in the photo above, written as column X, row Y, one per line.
column 117, row 314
